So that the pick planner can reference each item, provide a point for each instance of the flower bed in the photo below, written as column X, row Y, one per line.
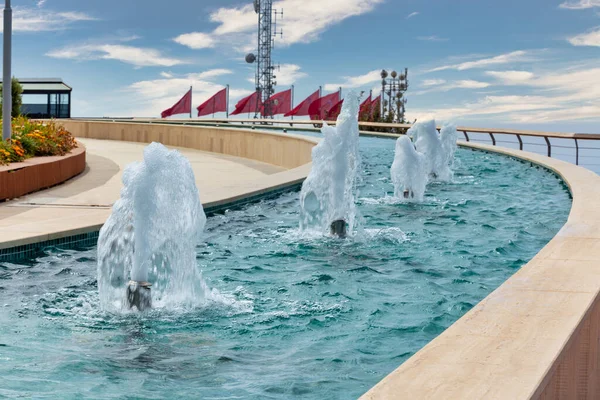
column 35, row 138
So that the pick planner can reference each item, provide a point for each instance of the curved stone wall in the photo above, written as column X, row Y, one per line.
column 287, row 151
column 19, row 179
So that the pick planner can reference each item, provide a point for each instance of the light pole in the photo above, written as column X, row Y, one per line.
column 7, row 78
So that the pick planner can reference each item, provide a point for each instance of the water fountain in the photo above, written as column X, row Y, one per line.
column 428, row 142
column 448, row 137
column 149, row 240
column 327, row 196
column 409, row 171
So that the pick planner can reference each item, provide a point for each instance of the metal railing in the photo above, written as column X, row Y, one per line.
column 549, row 141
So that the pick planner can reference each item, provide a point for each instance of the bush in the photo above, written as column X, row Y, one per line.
column 34, row 139
column 17, row 97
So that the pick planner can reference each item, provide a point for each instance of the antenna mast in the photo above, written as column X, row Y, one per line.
column 265, row 77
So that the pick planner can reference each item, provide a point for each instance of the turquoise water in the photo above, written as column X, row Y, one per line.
column 301, row 316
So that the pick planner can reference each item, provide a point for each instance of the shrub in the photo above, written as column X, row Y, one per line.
column 34, row 139
column 17, row 97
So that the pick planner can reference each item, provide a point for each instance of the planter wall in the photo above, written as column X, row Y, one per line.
column 19, row 179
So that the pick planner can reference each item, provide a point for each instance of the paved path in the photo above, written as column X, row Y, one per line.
column 87, row 199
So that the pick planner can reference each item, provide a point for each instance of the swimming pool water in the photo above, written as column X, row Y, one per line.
column 301, row 316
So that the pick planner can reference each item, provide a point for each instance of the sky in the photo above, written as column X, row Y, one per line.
column 530, row 64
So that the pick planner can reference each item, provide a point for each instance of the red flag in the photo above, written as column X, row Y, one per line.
column 217, row 103
column 183, row 106
column 302, row 108
column 365, row 107
column 247, row 104
column 281, row 102
column 334, row 111
column 318, row 109
column 375, row 104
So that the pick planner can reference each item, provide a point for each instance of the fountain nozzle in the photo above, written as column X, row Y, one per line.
column 338, row 228
column 138, row 295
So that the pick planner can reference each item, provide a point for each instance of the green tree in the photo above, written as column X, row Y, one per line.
column 17, row 97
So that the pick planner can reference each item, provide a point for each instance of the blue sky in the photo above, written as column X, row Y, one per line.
column 528, row 63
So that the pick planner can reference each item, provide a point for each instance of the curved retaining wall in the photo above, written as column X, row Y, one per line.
column 18, row 179
column 535, row 337
column 287, row 151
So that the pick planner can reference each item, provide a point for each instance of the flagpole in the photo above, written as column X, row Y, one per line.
column 191, row 102
column 340, row 92
column 292, row 105
column 227, row 111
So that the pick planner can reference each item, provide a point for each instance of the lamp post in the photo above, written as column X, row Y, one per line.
column 393, row 86
column 7, row 78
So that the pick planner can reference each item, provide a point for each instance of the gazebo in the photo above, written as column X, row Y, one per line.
column 46, row 98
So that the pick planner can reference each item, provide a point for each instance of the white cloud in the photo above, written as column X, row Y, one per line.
column 38, row 20
column 580, row 4
column 511, row 77
column 356, row 81
column 166, row 75
column 433, row 82
column 591, row 38
column 137, row 56
column 195, row 40
column 288, row 74
column 212, row 73
column 412, row 14
column 508, row 58
column 563, row 95
column 41, row 3
column 304, row 21
column 432, row 38
column 440, row 85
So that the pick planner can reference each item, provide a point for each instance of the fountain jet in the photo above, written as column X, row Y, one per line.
column 147, row 247
column 139, row 296
column 327, row 195
column 409, row 171
column 439, row 152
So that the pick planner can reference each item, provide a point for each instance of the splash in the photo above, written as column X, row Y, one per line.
column 409, row 171
column 439, row 156
column 449, row 136
column 328, row 192
column 152, row 233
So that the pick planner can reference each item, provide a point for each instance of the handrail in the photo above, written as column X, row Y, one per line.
column 387, row 127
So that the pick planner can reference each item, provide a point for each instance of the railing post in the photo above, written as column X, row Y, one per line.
column 549, row 146
column 576, row 152
column 520, row 142
column 493, row 138
column 466, row 136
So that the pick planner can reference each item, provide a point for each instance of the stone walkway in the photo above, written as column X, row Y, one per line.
column 87, row 199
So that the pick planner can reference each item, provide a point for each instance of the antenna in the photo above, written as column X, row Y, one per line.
column 264, row 78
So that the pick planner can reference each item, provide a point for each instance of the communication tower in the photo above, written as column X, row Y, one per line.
column 265, row 77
